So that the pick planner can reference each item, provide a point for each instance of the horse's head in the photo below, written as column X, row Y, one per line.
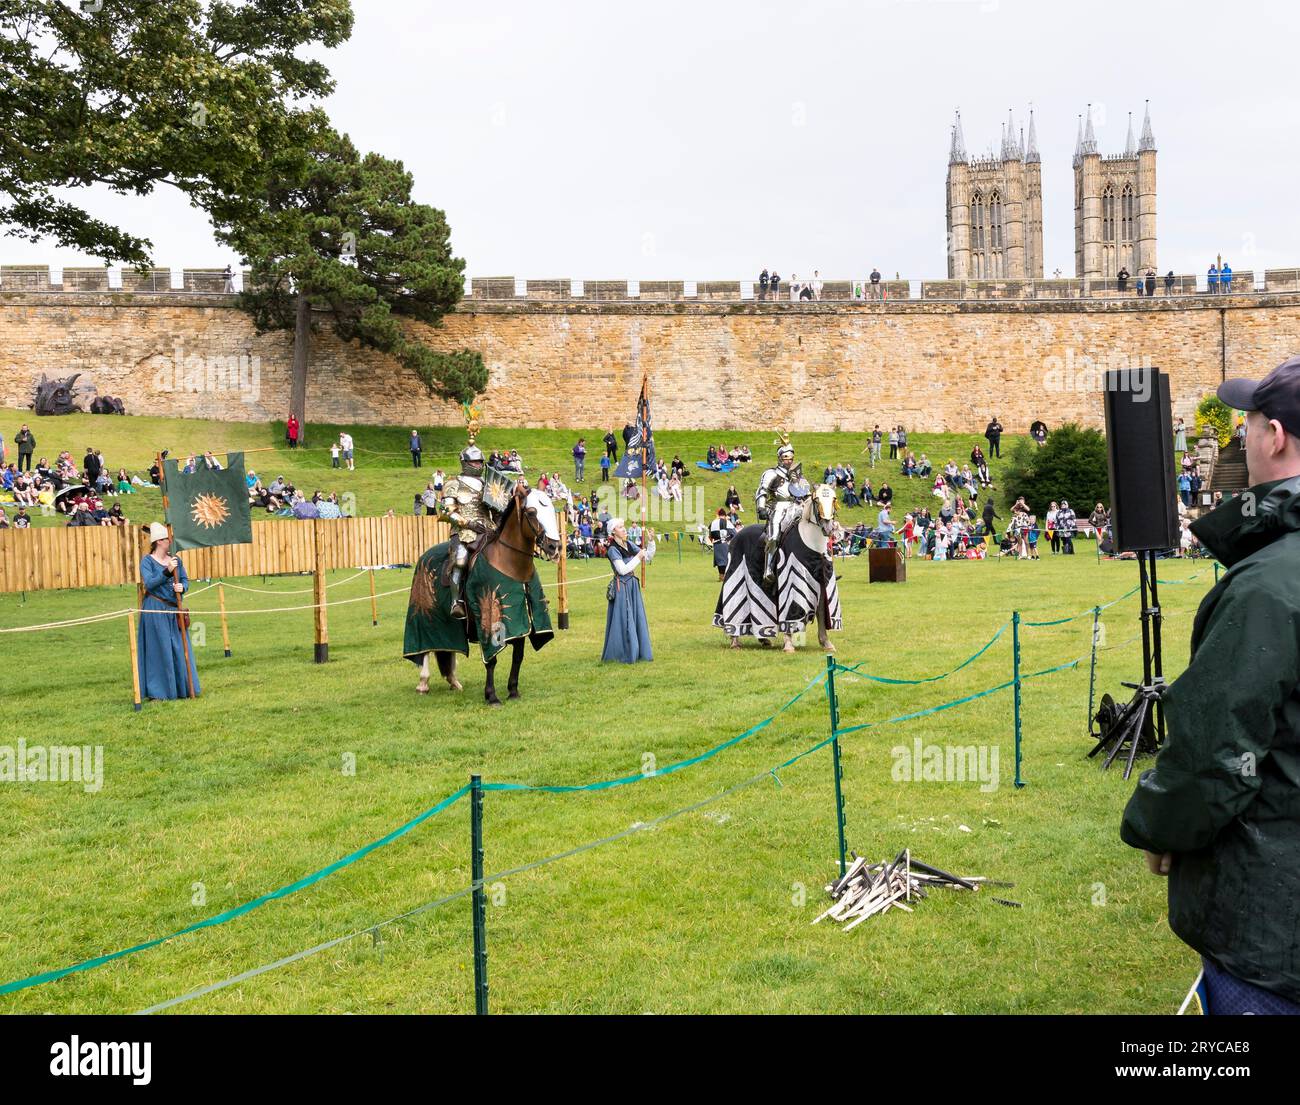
column 538, row 519
column 820, row 508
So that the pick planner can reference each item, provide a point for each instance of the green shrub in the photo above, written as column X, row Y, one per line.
column 1070, row 465
column 1214, row 413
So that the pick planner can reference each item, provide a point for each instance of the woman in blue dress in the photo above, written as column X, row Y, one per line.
column 165, row 655
column 627, row 634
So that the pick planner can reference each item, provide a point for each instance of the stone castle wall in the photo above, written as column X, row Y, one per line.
column 824, row 366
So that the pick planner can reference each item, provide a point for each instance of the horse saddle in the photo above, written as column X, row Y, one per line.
column 449, row 565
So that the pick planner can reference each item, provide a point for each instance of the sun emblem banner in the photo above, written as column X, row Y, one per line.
column 208, row 506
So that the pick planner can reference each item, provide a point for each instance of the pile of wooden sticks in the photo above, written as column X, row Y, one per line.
column 868, row 889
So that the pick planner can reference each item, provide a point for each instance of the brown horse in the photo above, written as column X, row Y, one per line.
column 528, row 525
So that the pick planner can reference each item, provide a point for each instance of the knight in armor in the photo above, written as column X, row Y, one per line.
column 780, row 490
column 470, row 516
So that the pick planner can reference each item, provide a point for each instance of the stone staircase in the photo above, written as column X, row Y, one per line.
column 1230, row 474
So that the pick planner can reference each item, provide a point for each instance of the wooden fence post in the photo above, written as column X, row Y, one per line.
column 225, row 627
column 135, row 659
column 562, row 569
column 318, row 591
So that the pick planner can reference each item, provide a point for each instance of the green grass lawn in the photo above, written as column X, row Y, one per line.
column 384, row 478
column 209, row 803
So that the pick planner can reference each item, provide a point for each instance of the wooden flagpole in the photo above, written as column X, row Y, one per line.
column 180, row 604
column 645, row 432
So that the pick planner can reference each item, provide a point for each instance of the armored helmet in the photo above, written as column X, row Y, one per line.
column 471, row 460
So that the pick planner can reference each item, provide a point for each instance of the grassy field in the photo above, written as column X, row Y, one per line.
column 209, row 803
column 384, row 478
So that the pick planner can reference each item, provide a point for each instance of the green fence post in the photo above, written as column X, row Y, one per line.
column 835, row 758
column 1092, row 670
column 478, row 897
column 1015, row 677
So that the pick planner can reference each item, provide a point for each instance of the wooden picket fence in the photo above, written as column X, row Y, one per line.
column 104, row 556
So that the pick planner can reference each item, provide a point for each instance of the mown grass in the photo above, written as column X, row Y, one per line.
column 244, row 790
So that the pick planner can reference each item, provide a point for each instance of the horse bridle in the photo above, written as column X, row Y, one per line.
column 528, row 515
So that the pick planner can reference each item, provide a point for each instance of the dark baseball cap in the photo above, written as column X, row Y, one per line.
column 1277, row 395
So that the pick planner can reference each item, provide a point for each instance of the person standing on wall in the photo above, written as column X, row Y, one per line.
column 993, row 434
column 762, row 285
column 1219, row 814
column 875, row 283
column 416, row 448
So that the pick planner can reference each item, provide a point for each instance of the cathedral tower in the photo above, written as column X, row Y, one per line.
column 1114, row 204
column 995, row 208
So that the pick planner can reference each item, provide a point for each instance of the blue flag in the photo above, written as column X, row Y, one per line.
column 630, row 467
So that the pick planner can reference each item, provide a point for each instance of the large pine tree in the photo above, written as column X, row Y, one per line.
column 335, row 239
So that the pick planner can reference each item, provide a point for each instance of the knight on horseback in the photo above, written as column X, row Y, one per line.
column 778, row 500
column 469, row 505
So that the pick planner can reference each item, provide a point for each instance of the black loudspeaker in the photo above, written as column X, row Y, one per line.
column 1140, row 442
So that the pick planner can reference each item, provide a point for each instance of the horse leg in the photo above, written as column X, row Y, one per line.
column 516, row 662
column 422, row 687
column 489, row 688
column 447, row 669
column 823, row 637
column 789, row 643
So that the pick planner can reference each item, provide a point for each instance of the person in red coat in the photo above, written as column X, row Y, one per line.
column 292, row 431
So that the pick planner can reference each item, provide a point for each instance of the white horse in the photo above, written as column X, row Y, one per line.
column 742, row 603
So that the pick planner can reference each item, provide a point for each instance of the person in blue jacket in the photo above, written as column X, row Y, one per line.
column 166, row 657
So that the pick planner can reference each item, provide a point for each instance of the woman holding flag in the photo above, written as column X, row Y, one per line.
column 162, row 641
column 627, row 633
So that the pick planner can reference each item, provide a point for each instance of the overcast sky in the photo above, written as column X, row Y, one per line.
column 706, row 140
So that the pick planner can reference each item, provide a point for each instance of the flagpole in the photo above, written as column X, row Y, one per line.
column 180, row 606
column 645, row 433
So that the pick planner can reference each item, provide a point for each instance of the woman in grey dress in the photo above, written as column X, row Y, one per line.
column 627, row 634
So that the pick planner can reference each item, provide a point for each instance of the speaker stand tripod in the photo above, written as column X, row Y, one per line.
column 1139, row 726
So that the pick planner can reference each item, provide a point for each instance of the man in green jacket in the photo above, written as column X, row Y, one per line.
column 1219, row 814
